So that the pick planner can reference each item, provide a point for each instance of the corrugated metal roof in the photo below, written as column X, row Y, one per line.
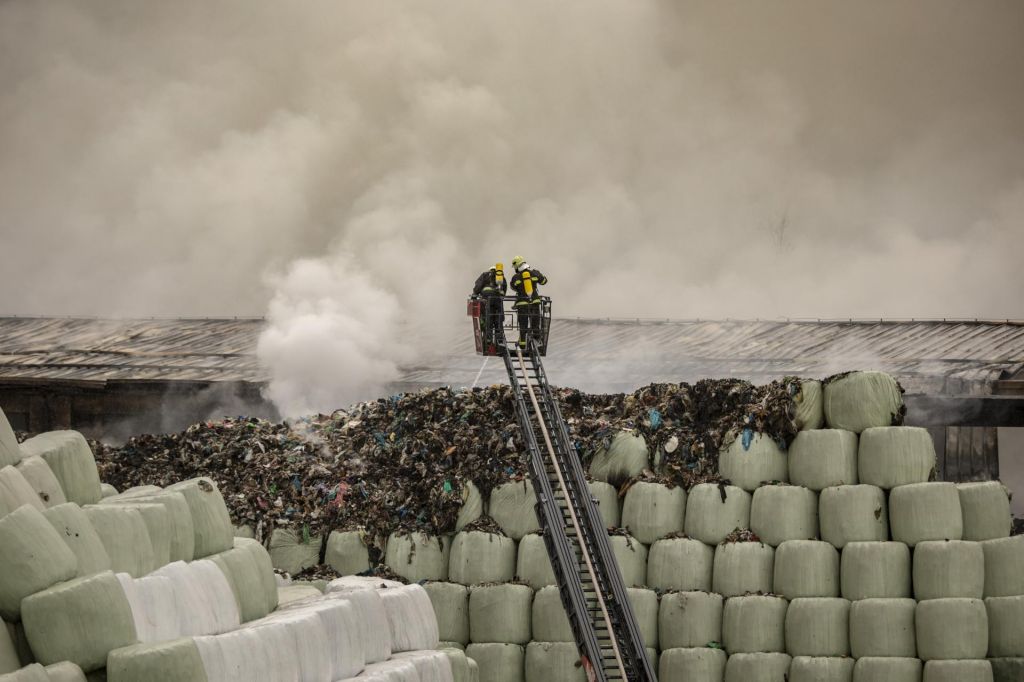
column 928, row 356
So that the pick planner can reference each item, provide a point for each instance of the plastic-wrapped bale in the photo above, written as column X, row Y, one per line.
column 350, row 582
column 624, row 457
column 689, row 620
column 292, row 551
column 607, row 502
column 948, row 569
column 71, row 461
column 158, row 525
column 479, row 557
column 645, row 613
column 303, row 633
column 107, row 490
column 1005, row 626
column 296, row 592
column 853, row 513
column 680, row 564
column 75, row 529
column 472, row 506
column 79, row 621
column 742, row 567
column 550, row 624
column 16, row 631
column 749, row 463
column 459, row 663
column 806, row 568
column 770, row 667
column 16, row 491
column 870, row 570
column 395, row 670
column 259, row 654
column 9, row 659
column 182, row 541
column 154, row 607
column 347, row 553
column 892, row 456
column 887, row 669
column 925, row 511
column 431, row 666
column 533, row 566
column 692, row 664
column 30, row 673
column 631, row 556
column 10, row 452
column 883, row 627
column 861, row 400
column 250, row 587
column 957, row 671
column 512, row 507
column 172, row 661
column 206, row 604
column 498, row 662
column 986, row 510
column 754, row 624
column 33, row 558
column 1003, row 560
column 411, row 618
column 244, row 531
column 65, row 671
column 822, row 459
column 40, row 476
column 1007, row 669
column 784, row 512
column 513, row 602
column 261, row 558
column 553, row 662
column 713, row 511
column 444, row 644
column 345, row 630
column 818, row 627
column 652, row 510
column 210, row 519
column 451, row 608
column 125, row 537
column 374, row 631
column 417, row 556
column 810, row 407
column 951, row 629
column 820, row 669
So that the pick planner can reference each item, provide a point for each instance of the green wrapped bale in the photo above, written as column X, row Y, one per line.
column 692, row 664
column 743, row 567
column 757, row 668
column 71, row 461
column 680, row 564
column 957, row 671
column 9, row 659
column 925, row 511
column 16, row 631
column 607, row 497
column 141, row 491
column 451, row 606
column 714, row 511
column 986, row 510
column 174, row 661
column 30, row 673
column 75, row 529
column 292, row 551
column 107, row 490
column 245, row 531
column 820, row 669
column 883, row 627
column 806, row 568
column 533, row 565
column 948, row 569
column 40, row 477
column 417, row 556
column 472, row 506
column 480, row 557
column 288, row 594
column 749, row 466
column 689, row 620
column 458, row 662
column 1003, row 560
column 553, row 662
column 818, row 627
column 442, row 644
column 33, row 558
column 243, row 575
column 498, row 662
column 16, row 491
column 810, row 405
column 1007, row 669
column 125, row 537
column 784, row 512
column 65, row 671
column 861, row 400
column 347, row 553
column 210, row 519
column 512, row 507
column 513, row 603
column 875, row 570
column 79, row 621
column 652, row 510
column 550, row 623
column 645, row 613
column 182, row 539
column 1005, row 626
column 951, row 629
column 892, row 456
column 823, row 459
column 158, row 525
column 265, row 568
column 853, row 513
column 754, row 624
column 887, row 669
column 631, row 556
column 10, row 452
column 625, row 456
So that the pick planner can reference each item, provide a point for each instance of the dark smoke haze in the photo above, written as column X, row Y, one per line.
column 347, row 168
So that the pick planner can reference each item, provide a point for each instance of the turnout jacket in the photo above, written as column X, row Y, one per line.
column 487, row 286
column 526, row 284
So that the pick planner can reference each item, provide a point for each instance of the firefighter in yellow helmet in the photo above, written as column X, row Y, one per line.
column 526, row 285
column 491, row 287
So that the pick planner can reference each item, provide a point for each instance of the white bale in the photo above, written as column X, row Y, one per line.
column 748, row 467
column 9, row 659
column 550, row 623
column 770, row 667
column 652, row 510
column 16, row 491
column 892, row 456
column 345, row 630
column 810, row 406
column 957, row 671
column 296, row 592
column 140, row 490
column 245, row 576
column 65, row 671
column 451, row 608
column 261, row 558
column 710, row 518
column 472, row 506
column 260, row 654
column 75, row 529
column 742, row 567
column 30, row 673
column 498, row 662
column 860, row 400
column 79, row 621
column 986, row 510
column 1007, row 669
column 292, row 551
column 512, row 602
column 553, row 662
column 395, row 670
column 33, row 558
column 925, row 511
column 459, row 663
column 645, row 613
column 625, row 456
column 71, row 461
column 1003, row 560
column 692, row 664
column 182, row 541
column 512, row 506
column 887, row 669
column 948, row 569
column 40, row 476
column 411, row 618
column 631, row 556
column 951, row 629
column 154, row 608
column 607, row 502
column 107, row 490
column 174, row 661
column 823, row 458
column 479, row 557
column 431, row 666
column 210, row 519
column 870, row 570
column 806, row 568
column 418, row 556
column 689, row 620
column 784, row 512
column 350, row 582
column 443, row 644
column 125, row 537
column 680, row 564
column 883, row 627
column 533, row 565
column 754, row 624
column 820, row 669
column 347, row 553
column 10, row 452
column 853, row 513
column 818, row 627
column 206, row 603
column 303, row 633
column 1005, row 626
column 374, row 632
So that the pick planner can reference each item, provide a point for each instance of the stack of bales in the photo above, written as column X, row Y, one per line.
column 152, row 584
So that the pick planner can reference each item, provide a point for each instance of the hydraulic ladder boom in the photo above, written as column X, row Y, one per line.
column 589, row 580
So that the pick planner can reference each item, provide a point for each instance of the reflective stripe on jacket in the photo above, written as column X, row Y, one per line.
column 526, row 284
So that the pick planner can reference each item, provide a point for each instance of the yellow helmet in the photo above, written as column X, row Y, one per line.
column 517, row 261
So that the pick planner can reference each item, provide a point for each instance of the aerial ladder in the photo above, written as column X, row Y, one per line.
column 588, row 577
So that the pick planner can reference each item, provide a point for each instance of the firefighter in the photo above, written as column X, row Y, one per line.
column 525, row 284
column 491, row 286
